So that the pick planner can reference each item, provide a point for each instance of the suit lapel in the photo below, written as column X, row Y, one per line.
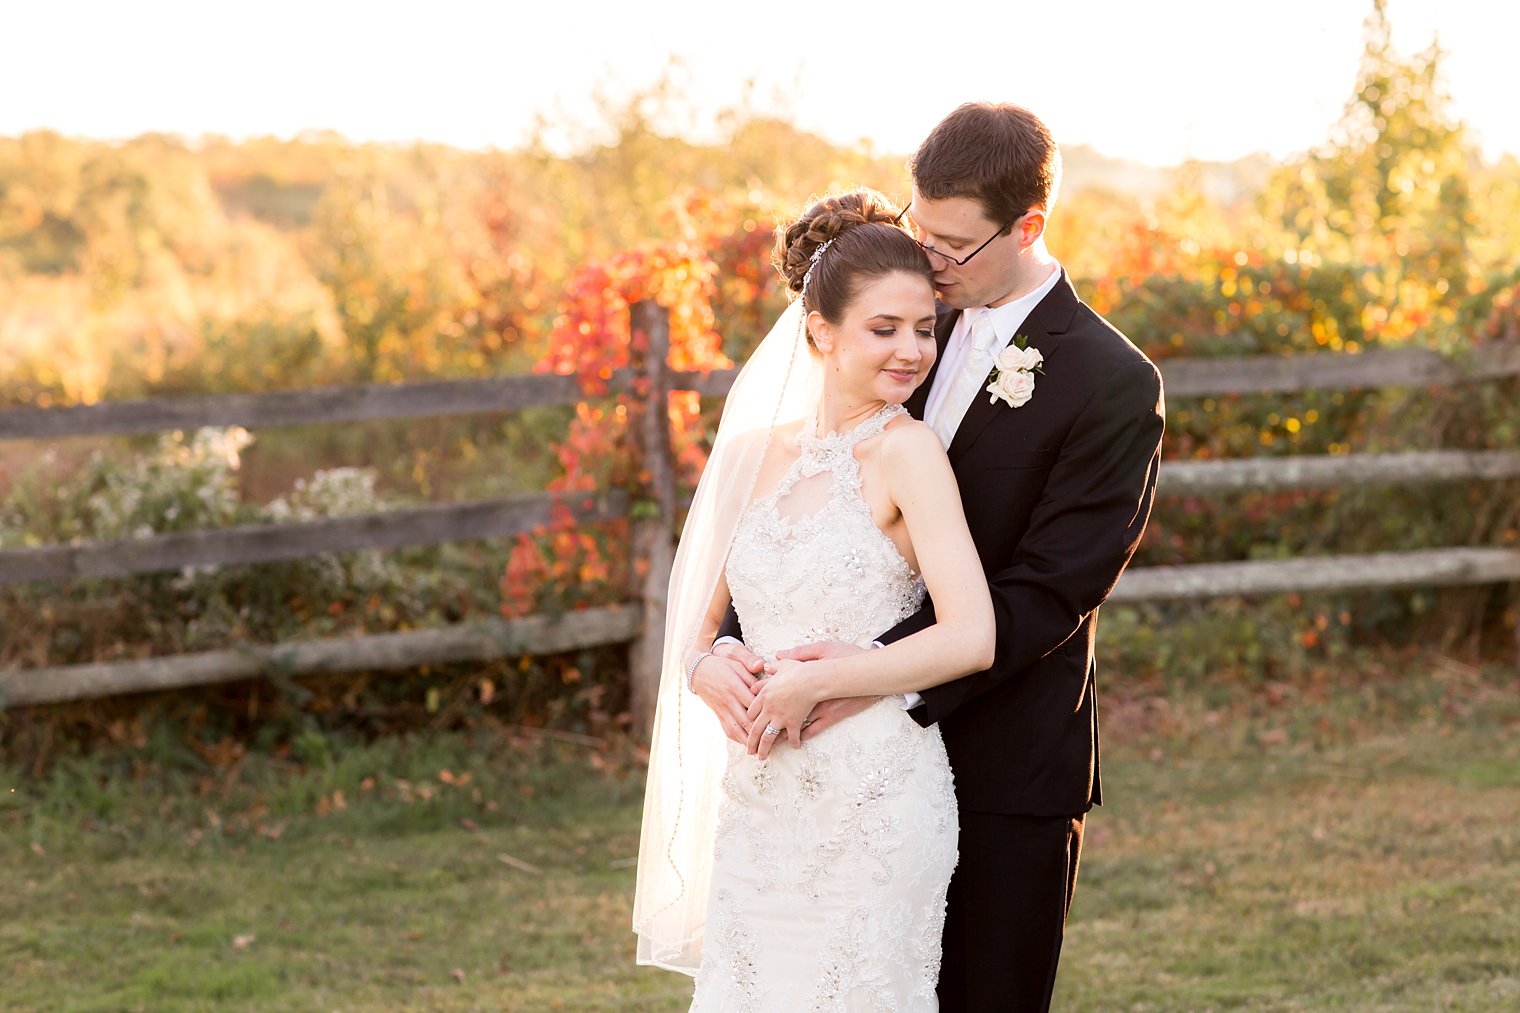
column 1051, row 317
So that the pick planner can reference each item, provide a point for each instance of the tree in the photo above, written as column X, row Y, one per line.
column 1390, row 193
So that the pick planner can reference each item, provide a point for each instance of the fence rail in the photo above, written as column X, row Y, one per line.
column 1419, row 568
column 1185, row 378
column 474, row 641
column 1392, row 367
column 495, row 518
column 326, row 406
column 640, row 623
column 265, row 543
column 1316, row 471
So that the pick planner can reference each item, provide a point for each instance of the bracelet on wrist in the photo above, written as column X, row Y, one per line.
column 691, row 672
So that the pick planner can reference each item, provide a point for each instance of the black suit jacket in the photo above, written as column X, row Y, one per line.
column 1056, row 493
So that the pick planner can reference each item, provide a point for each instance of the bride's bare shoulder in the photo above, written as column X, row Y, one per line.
column 906, row 435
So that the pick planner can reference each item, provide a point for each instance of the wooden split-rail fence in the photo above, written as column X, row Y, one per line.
column 640, row 623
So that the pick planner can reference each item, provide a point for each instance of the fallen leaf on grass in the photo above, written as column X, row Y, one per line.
column 457, row 974
column 244, row 941
column 518, row 863
column 468, row 824
column 273, row 831
column 329, row 804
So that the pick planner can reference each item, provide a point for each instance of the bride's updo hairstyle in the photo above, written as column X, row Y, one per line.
column 864, row 244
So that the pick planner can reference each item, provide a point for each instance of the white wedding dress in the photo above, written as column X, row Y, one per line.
column 832, row 859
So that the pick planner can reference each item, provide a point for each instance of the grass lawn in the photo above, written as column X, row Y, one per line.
column 1312, row 847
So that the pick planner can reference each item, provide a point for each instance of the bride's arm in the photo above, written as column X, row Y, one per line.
column 724, row 684
column 961, row 641
column 963, row 637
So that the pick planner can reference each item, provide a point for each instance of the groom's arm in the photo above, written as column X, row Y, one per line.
column 729, row 643
column 1082, row 532
column 730, row 626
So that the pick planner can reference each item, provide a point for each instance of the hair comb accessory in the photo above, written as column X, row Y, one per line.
column 814, row 259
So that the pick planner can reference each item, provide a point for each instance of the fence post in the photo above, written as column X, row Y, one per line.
column 653, row 515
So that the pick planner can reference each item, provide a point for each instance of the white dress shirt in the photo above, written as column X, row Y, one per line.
column 1006, row 321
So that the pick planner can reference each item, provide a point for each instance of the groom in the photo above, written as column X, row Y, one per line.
column 1057, row 492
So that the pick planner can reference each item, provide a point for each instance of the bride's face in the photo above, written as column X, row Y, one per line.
column 882, row 347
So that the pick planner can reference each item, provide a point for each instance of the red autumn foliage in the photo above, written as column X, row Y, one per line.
column 592, row 339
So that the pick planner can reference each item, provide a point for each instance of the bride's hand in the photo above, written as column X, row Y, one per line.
column 783, row 702
column 726, row 683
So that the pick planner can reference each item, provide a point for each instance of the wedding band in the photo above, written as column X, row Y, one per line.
column 772, row 730
column 806, row 722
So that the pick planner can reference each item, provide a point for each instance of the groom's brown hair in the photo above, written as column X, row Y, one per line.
column 1000, row 155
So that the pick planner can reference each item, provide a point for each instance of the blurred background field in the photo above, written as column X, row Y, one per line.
column 1329, row 784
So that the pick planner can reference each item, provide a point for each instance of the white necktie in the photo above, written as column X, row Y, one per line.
column 972, row 377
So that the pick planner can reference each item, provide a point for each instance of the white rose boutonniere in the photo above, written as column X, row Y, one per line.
column 1013, row 379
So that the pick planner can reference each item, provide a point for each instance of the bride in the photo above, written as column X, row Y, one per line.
column 813, row 876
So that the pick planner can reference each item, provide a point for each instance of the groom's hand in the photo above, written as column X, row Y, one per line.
column 831, row 712
column 725, row 682
column 816, row 652
column 735, row 651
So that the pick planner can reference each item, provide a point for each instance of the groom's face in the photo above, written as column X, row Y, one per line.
column 957, row 226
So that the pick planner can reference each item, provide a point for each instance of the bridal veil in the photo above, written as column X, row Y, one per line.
column 780, row 383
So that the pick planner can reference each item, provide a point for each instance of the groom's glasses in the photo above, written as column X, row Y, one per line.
column 957, row 261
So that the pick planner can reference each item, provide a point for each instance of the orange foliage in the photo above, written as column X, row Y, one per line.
column 592, row 338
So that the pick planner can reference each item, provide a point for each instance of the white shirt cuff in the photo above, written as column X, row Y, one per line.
column 728, row 640
column 907, row 700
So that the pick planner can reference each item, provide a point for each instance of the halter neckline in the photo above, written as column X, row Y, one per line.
column 807, row 436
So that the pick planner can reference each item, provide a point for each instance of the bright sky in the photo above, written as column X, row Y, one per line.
column 1157, row 81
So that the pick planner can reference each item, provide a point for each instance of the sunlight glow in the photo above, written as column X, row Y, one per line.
column 1158, row 83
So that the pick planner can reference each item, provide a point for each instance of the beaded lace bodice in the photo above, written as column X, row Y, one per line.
column 854, row 827
column 808, row 562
